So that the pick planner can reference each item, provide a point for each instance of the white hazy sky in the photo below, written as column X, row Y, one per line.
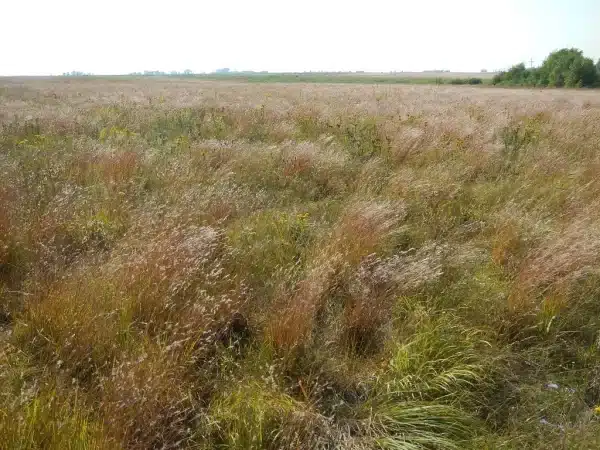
column 40, row 37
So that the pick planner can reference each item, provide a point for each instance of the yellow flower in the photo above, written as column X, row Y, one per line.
column 597, row 409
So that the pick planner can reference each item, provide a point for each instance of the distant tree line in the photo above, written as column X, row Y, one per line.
column 567, row 67
column 146, row 73
column 160, row 73
column 75, row 73
column 465, row 81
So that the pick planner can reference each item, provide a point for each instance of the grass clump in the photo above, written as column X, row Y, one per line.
column 47, row 422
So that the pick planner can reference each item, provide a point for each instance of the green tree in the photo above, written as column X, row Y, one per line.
column 582, row 73
column 568, row 68
column 518, row 75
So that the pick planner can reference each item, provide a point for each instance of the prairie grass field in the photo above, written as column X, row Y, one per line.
column 196, row 264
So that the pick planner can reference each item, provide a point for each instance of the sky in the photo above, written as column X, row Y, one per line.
column 43, row 37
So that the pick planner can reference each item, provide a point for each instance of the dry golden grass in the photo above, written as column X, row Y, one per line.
column 193, row 264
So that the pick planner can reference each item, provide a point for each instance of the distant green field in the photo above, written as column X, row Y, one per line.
column 358, row 78
column 306, row 77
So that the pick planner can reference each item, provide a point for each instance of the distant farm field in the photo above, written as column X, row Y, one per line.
column 352, row 77
column 438, row 78
column 187, row 263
